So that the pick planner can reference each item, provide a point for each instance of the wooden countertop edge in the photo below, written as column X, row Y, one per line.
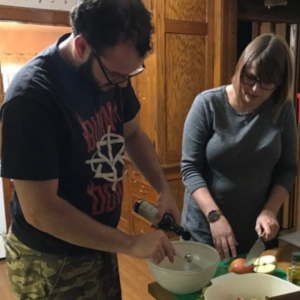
column 159, row 293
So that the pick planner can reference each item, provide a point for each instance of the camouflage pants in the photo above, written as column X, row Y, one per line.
column 41, row 276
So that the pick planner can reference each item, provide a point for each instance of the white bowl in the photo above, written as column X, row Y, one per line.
column 248, row 286
column 182, row 277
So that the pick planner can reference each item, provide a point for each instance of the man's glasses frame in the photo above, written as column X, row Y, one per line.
column 124, row 77
column 252, row 80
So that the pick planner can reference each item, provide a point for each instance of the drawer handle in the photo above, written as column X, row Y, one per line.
column 143, row 192
column 135, row 173
column 143, row 231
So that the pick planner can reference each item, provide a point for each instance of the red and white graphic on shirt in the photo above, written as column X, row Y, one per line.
column 108, row 153
column 108, row 157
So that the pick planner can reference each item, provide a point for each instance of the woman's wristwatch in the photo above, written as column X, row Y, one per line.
column 214, row 215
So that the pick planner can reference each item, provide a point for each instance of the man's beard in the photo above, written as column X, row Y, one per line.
column 85, row 70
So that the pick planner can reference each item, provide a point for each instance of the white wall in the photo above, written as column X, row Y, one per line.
column 42, row 4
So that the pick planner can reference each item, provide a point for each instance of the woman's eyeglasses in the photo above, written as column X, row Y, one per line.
column 251, row 80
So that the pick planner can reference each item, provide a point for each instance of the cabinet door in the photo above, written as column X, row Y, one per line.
column 179, row 68
column 191, row 43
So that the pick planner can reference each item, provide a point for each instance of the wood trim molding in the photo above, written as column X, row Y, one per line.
column 225, row 43
column 160, row 114
column 185, row 27
column 35, row 16
column 172, row 171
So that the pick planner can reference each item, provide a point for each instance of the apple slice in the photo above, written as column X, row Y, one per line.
column 265, row 264
column 265, row 269
column 265, row 260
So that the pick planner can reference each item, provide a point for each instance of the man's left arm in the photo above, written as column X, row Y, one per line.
column 141, row 152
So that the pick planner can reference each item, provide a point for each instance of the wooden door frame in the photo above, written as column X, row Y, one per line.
column 34, row 15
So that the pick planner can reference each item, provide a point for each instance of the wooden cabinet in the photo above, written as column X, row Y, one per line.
column 125, row 220
column 194, row 49
column 140, row 189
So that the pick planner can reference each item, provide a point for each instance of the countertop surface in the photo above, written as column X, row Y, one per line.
column 282, row 254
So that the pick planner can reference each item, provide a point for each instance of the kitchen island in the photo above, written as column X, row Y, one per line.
column 282, row 254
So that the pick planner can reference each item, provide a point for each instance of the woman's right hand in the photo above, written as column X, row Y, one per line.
column 153, row 245
column 223, row 238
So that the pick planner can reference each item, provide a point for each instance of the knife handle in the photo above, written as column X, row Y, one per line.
column 261, row 236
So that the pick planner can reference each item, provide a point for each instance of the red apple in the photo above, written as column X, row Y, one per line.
column 238, row 266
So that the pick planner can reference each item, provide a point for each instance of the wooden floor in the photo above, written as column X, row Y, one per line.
column 135, row 277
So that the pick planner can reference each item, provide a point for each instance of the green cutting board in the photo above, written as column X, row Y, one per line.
column 223, row 269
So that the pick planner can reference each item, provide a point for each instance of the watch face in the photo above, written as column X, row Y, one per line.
column 213, row 215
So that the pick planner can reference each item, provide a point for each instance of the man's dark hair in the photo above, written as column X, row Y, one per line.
column 105, row 23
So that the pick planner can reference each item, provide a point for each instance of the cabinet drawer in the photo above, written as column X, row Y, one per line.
column 135, row 174
column 140, row 226
column 142, row 191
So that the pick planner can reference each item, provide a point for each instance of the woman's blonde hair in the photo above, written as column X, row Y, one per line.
column 271, row 56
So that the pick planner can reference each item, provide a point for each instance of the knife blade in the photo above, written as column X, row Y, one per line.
column 255, row 251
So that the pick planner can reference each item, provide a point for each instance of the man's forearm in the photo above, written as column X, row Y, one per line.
column 67, row 223
column 45, row 210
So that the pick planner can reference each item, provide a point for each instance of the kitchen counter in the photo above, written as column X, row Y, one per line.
column 282, row 254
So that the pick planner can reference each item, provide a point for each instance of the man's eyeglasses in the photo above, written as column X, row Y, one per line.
column 251, row 80
column 117, row 79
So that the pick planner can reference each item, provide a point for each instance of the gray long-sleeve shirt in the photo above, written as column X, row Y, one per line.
column 239, row 157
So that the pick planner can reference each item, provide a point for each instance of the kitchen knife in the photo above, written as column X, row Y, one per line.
column 255, row 251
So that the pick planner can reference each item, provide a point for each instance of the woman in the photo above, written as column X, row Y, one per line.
column 239, row 152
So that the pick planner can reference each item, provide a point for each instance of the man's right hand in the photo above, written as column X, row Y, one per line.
column 153, row 245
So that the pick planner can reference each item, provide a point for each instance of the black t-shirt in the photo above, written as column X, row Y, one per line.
column 56, row 125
